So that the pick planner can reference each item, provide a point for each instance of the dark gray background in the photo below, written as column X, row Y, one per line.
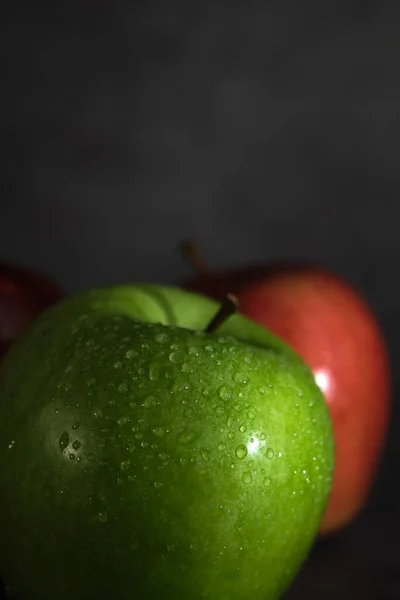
column 262, row 129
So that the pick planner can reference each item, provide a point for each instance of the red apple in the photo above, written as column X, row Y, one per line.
column 23, row 295
column 332, row 328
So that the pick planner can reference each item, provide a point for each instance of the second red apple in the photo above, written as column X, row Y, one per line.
column 333, row 329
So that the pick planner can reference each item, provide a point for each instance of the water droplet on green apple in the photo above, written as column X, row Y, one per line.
column 64, row 441
column 75, row 425
column 76, row 445
column 90, row 457
column 154, row 372
column 158, row 431
column 102, row 516
column 122, row 387
column 242, row 428
column 270, row 454
column 267, row 481
column 157, row 484
column 131, row 353
column 247, row 477
column 263, row 437
column 186, row 436
column 161, row 338
column 97, row 413
column 205, row 454
column 241, row 451
column 175, row 357
column 117, row 364
column 240, row 378
column 251, row 415
column 231, row 435
column 72, row 456
column 149, row 402
column 221, row 446
column 225, row 392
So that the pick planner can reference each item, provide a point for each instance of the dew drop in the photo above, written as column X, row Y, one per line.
column 231, row 435
column 229, row 422
column 76, row 445
column 122, row 387
column 205, row 454
column 267, row 481
column 131, row 354
column 241, row 451
column 125, row 464
column 247, row 477
column 194, row 351
column 270, row 454
column 122, row 421
column 263, row 437
column 154, row 372
column 240, row 378
column 161, row 338
column 186, row 368
column 97, row 413
column 117, row 364
column 157, row 485
column 242, row 428
column 225, row 392
column 221, row 446
column 186, row 436
column 63, row 441
column 102, row 516
column 90, row 457
column 158, row 431
column 72, row 456
column 149, row 402
column 176, row 356
column 251, row 415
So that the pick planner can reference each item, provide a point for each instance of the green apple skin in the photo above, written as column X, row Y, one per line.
column 142, row 460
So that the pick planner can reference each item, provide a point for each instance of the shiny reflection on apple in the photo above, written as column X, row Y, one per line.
column 323, row 379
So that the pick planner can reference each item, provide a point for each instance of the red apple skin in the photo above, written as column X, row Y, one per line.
column 332, row 328
column 24, row 294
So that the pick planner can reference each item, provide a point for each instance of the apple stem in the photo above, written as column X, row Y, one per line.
column 192, row 254
column 229, row 306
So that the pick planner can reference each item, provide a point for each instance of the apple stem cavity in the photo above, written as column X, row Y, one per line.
column 229, row 306
column 192, row 254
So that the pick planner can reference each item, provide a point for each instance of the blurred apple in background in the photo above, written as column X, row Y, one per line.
column 332, row 328
column 23, row 295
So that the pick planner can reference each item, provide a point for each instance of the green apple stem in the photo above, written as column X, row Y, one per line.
column 192, row 254
column 228, row 307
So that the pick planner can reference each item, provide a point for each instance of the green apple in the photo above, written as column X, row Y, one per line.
column 142, row 458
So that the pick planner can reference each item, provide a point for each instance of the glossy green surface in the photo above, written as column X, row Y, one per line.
column 141, row 461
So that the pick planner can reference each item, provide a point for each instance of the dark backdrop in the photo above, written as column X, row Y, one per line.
column 261, row 129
